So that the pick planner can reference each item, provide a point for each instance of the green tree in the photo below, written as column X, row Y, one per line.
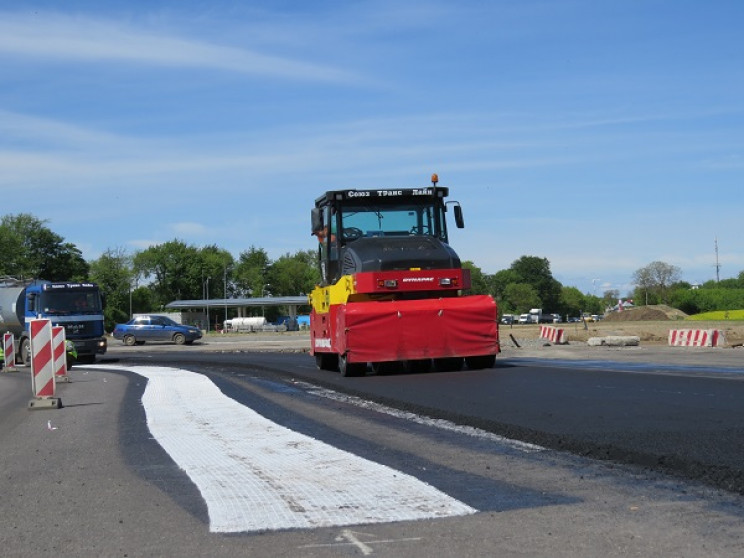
column 731, row 283
column 573, row 301
column 686, row 300
column 519, row 298
column 593, row 304
column 217, row 265
column 251, row 272
column 479, row 283
column 610, row 298
column 175, row 270
column 142, row 300
column 29, row 249
column 499, row 281
column 113, row 273
column 536, row 272
column 644, row 286
column 653, row 281
column 294, row 274
column 696, row 301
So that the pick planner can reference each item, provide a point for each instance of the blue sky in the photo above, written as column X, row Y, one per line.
column 601, row 135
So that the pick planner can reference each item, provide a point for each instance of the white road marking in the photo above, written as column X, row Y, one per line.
column 441, row 424
column 352, row 538
column 255, row 475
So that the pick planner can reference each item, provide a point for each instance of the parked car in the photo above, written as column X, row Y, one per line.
column 155, row 328
column 507, row 319
column 524, row 319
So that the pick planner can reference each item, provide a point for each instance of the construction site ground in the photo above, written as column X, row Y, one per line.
column 521, row 341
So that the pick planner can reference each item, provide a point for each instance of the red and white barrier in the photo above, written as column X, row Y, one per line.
column 9, row 363
column 696, row 338
column 59, row 349
column 553, row 334
column 43, row 386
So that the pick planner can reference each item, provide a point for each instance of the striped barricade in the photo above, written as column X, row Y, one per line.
column 59, row 349
column 9, row 363
column 554, row 334
column 696, row 338
column 43, row 386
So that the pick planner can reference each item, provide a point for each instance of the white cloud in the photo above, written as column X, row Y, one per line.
column 59, row 37
column 79, row 156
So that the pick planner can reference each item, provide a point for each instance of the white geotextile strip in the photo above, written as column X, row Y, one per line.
column 256, row 475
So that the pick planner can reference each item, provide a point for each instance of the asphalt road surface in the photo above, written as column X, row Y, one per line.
column 216, row 450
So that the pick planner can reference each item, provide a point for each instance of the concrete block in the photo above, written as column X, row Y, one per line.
column 45, row 403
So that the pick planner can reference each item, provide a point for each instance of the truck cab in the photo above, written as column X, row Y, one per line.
column 76, row 306
column 383, row 230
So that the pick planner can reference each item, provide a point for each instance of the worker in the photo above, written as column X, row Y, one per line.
column 81, row 303
column 72, row 354
column 322, row 234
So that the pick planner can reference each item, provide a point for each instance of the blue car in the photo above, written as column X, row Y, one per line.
column 155, row 328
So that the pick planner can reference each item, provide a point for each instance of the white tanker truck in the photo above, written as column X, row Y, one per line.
column 78, row 307
column 245, row 324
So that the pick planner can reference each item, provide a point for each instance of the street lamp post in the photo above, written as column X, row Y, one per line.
column 207, row 297
column 136, row 284
column 225, row 297
column 263, row 307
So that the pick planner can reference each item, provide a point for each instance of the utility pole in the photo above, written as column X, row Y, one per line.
column 718, row 265
column 207, row 291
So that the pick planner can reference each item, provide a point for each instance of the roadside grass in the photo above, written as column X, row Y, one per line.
column 719, row 315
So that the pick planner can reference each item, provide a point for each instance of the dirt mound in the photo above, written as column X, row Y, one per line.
column 651, row 313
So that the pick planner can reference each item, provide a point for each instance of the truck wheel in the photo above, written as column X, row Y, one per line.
column 326, row 361
column 351, row 369
column 480, row 362
column 129, row 340
column 26, row 352
column 450, row 364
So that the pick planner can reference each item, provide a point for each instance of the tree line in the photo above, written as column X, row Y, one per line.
column 659, row 283
column 147, row 280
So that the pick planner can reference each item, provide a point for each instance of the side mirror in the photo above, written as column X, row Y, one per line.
column 459, row 219
column 316, row 220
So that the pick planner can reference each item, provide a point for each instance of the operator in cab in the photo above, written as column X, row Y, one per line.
column 322, row 234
